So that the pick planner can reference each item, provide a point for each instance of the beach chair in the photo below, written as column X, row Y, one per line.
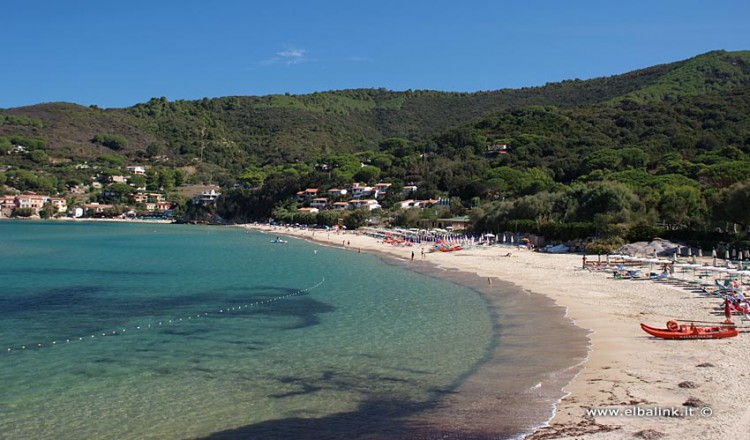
column 632, row 274
column 722, row 288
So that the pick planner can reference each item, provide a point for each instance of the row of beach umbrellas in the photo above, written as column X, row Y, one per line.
column 711, row 272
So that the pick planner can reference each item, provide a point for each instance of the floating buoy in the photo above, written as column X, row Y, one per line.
column 228, row 309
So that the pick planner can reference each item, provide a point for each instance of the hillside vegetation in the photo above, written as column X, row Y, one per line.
column 674, row 130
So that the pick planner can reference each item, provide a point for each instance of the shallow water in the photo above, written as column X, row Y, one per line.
column 165, row 331
column 370, row 331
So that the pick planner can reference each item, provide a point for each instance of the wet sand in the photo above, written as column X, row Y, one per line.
column 625, row 367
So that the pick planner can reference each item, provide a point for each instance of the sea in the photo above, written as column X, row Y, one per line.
column 153, row 331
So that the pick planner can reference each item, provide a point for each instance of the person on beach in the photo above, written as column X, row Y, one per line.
column 584, row 261
column 412, row 255
column 422, row 252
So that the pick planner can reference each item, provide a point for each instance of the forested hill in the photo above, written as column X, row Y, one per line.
column 609, row 157
column 232, row 133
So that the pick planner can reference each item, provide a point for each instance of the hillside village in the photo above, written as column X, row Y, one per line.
column 362, row 196
column 108, row 195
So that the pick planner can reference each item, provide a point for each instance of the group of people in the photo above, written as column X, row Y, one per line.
column 738, row 302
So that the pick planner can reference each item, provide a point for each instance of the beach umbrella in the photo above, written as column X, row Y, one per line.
column 700, row 253
column 651, row 262
column 734, row 254
column 690, row 252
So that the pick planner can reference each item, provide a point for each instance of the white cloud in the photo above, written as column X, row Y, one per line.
column 288, row 56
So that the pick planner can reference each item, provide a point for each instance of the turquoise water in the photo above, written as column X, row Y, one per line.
column 136, row 331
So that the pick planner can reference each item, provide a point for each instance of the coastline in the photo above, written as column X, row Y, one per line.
column 91, row 220
column 624, row 367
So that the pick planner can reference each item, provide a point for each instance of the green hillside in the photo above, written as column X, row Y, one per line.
column 233, row 132
column 712, row 72
column 649, row 139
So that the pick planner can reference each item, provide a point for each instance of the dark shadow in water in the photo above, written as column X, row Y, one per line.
column 89, row 308
column 305, row 310
column 58, row 270
column 375, row 419
column 57, row 298
column 300, row 306
column 330, row 380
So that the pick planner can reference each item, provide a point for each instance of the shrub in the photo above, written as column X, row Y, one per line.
column 604, row 246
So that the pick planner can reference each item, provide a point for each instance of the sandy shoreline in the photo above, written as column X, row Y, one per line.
column 625, row 367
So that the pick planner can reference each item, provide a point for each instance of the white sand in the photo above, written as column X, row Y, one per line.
column 625, row 366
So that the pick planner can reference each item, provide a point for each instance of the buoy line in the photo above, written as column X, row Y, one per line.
column 163, row 323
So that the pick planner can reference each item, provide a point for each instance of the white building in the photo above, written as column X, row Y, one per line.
column 359, row 190
column 365, row 203
column 319, row 202
column 137, row 170
column 207, row 198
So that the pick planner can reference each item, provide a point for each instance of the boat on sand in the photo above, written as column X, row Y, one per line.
column 684, row 331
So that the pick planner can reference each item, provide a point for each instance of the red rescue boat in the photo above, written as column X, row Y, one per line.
column 683, row 331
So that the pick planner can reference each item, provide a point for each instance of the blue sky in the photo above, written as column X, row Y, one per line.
column 119, row 53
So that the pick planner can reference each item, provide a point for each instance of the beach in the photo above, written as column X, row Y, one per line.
column 664, row 389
